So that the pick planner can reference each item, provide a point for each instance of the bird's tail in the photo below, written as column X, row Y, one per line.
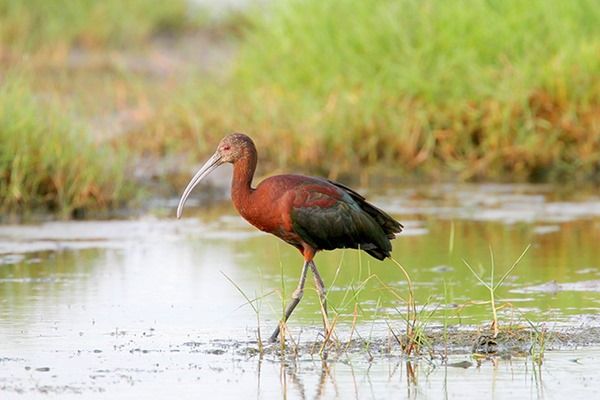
column 390, row 226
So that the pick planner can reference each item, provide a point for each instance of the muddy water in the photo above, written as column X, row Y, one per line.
column 144, row 307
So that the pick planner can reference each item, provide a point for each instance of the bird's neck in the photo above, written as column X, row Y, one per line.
column 241, row 183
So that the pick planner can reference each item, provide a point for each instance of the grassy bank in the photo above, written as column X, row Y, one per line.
column 49, row 161
column 467, row 90
column 496, row 90
column 69, row 78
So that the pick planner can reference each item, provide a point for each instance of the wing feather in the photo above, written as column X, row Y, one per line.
column 332, row 216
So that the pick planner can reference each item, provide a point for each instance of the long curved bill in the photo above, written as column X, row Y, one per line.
column 206, row 169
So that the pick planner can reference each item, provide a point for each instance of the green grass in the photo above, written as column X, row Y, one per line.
column 50, row 102
column 47, row 159
column 40, row 25
column 480, row 89
column 463, row 89
column 493, row 286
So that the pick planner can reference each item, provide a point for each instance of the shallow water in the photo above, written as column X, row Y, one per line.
column 144, row 308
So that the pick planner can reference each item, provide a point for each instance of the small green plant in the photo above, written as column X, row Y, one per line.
column 445, row 321
column 539, row 336
column 493, row 286
column 414, row 331
column 254, row 308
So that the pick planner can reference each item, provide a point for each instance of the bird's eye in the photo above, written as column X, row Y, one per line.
column 226, row 148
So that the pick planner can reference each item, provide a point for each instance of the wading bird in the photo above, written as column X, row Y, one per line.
column 309, row 213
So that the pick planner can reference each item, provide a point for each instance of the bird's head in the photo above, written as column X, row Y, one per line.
column 234, row 147
column 231, row 148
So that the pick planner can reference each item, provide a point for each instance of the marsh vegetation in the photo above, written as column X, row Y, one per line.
column 427, row 90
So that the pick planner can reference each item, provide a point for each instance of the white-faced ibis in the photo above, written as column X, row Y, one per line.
column 309, row 213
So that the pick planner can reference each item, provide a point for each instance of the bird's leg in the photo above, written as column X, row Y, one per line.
column 296, row 296
column 322, row 295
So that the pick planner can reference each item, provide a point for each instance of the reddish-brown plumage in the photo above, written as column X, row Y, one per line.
column 269, row 206
column 309, row 213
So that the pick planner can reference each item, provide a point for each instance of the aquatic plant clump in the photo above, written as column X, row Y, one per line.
column 47, row 160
